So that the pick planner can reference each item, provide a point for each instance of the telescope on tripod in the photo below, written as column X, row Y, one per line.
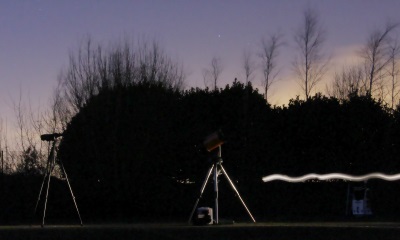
column 52, row 161
column 212, row 142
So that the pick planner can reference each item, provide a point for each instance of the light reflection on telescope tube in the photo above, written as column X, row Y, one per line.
column 330, row 176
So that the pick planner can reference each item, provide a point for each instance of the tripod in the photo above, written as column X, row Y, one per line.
column 51, row 163
column 215, row 168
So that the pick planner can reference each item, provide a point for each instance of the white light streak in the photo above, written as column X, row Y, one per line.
column 329, row 176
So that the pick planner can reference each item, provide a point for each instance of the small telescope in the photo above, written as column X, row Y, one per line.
column 50, row 137
column 214, row 140
column 211, row 142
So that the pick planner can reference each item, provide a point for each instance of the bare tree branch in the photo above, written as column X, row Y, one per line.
column 376, row 55
column 310, row 65
column 394, row 71
column 249, row 66
column 211, row 75
column 93, row 69
column 269, row 54
column 347, row 82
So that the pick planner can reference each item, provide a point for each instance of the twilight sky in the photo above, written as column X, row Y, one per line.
column 36, row 36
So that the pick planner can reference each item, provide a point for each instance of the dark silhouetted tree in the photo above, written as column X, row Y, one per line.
column 93, row 68
column 30, row 162
column 127, row 142
column 376, row 55
column 212, row 74
column 249, row 66
column 347, row 82
column 394, row 71
column 269, row 54
column 310, row 65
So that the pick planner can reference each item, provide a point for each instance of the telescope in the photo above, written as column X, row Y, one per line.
column 50, row 137
column 214, row 140
column 204, row 216
column 52, row 161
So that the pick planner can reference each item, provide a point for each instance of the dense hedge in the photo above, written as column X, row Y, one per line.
column 136, row 152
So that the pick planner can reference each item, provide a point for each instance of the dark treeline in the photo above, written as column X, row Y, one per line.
column 136, row 152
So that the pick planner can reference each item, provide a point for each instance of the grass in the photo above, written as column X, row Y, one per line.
column 265, row 231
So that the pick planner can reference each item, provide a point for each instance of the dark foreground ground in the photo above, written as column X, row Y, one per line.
column 265, row 231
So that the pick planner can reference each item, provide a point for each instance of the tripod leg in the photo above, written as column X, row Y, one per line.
column 237, row 192
column 216, row 215
column 41, row 188
column 47, row 190
column 201, row 193
column 70, row 189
